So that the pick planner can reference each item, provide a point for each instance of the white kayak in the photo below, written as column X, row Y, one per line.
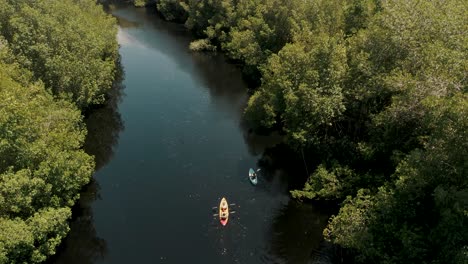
column 253, row 176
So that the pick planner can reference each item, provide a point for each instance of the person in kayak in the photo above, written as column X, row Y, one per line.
column 253, row 176
column 224, row 213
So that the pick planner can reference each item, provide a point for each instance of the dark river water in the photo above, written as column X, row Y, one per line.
column 168, row 146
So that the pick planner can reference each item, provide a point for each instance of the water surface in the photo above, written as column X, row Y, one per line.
column 168, row 148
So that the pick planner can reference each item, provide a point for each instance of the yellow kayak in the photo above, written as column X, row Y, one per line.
column 223, row 211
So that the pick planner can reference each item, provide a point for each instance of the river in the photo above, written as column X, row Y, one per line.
column 168, row 146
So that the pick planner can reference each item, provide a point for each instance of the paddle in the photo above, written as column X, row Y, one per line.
column 216, row 207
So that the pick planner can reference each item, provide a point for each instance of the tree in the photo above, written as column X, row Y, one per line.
column 42, row 165
column 259, row 28
column 422, row 217
column 304, row 87
column 173, row 10
column 67, row 48
column 69, row 45
column 210, row 18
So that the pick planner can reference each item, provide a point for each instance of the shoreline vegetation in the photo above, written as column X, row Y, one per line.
column 377, row 91
column 374, row 90
column 57, row 59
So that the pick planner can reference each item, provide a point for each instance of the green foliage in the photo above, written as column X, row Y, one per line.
column 324, row 184
column 69, row 48
column 16, row 241
column 69, row 45
column 201, row 45
column 33, row 239
column 429, row 61
column 318, row 17
column 423, row 216
column 248, row 31
column 304, row 84
column 259, row 29
column 336, row 183
column 350, row 227
column 173, row 10
column 262, row 109
column 142, row 3
column 210, row 18
column 358, row 13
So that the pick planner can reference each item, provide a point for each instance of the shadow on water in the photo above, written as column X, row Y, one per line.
column 222, row 80
column 124, row 23
column 294, row 234
column 104, row 124
column 82, row 245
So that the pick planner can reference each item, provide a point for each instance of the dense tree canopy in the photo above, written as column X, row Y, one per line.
column 55, row 58
column 376, row 89
column 42, row 167
column 422, row 217
column 173, row 10
column 69, row 45
column 305, row 95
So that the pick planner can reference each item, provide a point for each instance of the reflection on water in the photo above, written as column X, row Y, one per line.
column 104, row 125
column 295, row 230
column 82, row 245
column 222, row 80
column 125, row 23
column 259, row 143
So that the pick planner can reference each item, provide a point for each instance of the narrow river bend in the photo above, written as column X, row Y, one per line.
column 167, row 151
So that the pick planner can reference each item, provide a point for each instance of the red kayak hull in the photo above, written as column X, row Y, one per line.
column 223, row 221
